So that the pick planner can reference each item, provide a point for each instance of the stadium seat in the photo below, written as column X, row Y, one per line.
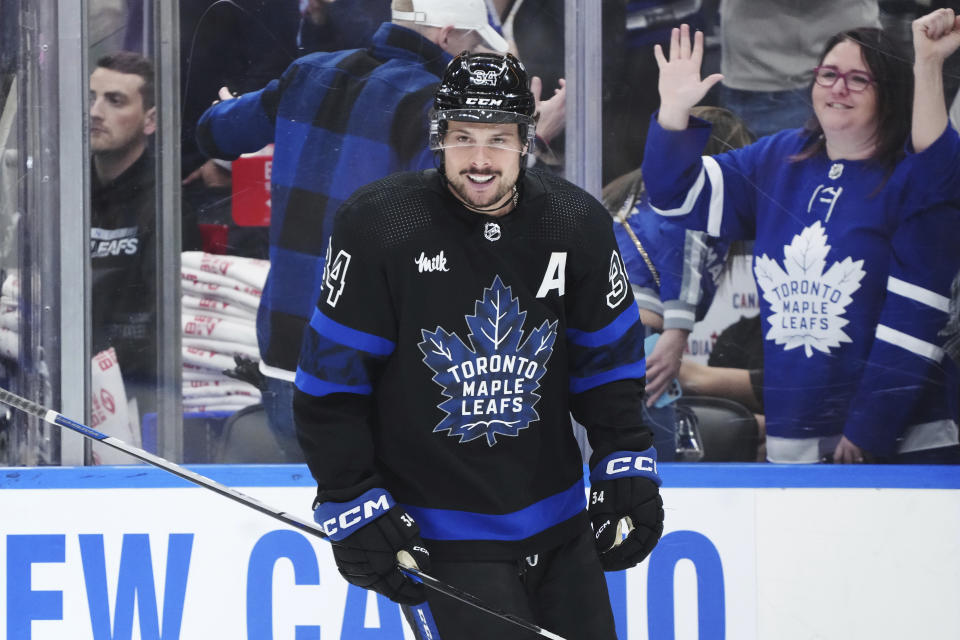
column 727, row 429
column 247, row 438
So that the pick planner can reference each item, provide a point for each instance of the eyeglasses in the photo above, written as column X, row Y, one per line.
column 827, row 76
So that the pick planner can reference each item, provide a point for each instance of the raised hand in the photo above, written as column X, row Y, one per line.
column 552, row 112
column 936, row 35
column 680, row 85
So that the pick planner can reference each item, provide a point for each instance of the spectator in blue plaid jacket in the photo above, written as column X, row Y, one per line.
column 338, row 120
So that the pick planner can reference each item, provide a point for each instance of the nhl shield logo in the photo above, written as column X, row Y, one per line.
column 491, row 231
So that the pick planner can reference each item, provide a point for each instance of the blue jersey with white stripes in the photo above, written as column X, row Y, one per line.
column 448, row 349
column 851, row 305
column 687, row 263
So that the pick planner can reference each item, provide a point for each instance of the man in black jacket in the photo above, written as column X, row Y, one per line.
column 123, row 220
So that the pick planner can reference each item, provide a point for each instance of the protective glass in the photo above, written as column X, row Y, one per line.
column 827, row 76
column 440, row 139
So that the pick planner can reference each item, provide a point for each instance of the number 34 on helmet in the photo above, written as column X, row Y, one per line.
column 483, row 88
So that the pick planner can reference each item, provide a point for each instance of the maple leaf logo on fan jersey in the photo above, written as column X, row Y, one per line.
column 805, row 302
column 491, row 387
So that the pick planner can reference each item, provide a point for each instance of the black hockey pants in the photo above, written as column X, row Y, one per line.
column 562, row 590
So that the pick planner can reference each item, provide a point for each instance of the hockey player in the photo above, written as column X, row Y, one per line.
column 465, row 312
column 841, row 214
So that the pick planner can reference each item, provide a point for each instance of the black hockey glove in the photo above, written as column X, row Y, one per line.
column 367, row 533
column 625, row 498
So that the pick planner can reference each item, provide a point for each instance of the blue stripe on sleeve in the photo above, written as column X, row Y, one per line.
column 344, row 335
column 610, row 333
column 447, row 524
column 319, row 388
column 633, row 370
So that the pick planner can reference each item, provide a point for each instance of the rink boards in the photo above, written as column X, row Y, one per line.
column 750, row 552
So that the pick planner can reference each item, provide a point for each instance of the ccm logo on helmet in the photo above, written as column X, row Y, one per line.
column 622, row 465
column 369, row 510
column 484, row 102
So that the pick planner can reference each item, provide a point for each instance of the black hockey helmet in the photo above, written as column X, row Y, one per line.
column 483, row 87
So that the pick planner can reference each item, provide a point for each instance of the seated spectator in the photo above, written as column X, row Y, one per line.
column 674, row 272
column 123, row 225
column 846, row 226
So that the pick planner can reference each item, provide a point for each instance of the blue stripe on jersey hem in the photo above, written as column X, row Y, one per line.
column 610, row 333
column 344, row 335
column 447, row 524
column 319, row 388
column 626, row 372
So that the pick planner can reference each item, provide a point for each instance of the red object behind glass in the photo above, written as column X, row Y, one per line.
column 251, row 191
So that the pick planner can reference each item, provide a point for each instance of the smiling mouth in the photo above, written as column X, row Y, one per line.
column 480, row 178
column 838, row 105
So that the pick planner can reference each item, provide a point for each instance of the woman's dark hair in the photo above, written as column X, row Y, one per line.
column 890, row 66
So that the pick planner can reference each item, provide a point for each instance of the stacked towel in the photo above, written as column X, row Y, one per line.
column 10, row 317
column 219, row 307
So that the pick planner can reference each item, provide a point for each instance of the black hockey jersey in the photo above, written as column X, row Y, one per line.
column 448, row 349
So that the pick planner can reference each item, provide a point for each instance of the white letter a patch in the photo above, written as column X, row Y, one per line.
column 555, row 275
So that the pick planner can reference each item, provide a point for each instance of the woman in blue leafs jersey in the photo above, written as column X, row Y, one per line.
column 466, row 312
column 854, row 234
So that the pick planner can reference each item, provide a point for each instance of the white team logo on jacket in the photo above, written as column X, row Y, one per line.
column 491, row 387
column 113, row 242
column 807, row 299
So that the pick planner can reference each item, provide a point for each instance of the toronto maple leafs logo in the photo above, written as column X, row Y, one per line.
column 491, row 387
column 806, row 301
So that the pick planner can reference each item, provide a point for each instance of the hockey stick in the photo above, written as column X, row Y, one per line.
column 54, row 418
column 409, row 566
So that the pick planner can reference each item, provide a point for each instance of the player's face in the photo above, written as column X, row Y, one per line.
column 482, row 163
column 839, row 110
column 118, row 120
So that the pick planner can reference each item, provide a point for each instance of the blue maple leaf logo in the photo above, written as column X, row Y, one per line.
column 491, row 387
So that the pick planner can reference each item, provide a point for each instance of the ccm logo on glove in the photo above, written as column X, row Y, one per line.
column 622, row 464
column 339, row 519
